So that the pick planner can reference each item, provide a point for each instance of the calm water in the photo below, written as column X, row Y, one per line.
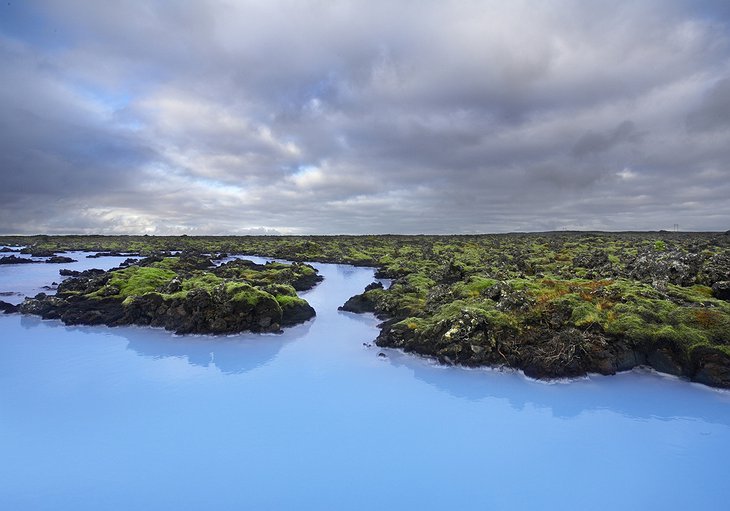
column 133, row 418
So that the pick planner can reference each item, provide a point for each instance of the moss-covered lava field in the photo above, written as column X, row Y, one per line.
column 552, row 304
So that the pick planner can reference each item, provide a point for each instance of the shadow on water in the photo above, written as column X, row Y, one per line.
column 645, row 395
column 231, row 355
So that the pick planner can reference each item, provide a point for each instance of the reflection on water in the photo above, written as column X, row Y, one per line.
column 130, row 417
column 231, row 355
column 625, row 394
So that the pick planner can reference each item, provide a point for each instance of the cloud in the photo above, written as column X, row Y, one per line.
column 358, row 117
column 593, row 143
column 713, row 112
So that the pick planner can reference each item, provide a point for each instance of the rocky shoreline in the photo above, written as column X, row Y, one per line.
column 566, row 353
column 186, row 294
column 545, row 353
column 558, row 304
column 665, row 308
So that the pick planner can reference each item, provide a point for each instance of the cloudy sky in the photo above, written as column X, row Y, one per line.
column 395, row 116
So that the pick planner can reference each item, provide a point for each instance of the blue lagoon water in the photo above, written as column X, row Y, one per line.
column 135, row 418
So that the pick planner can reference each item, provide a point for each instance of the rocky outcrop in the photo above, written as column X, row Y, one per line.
column 112, row 253
column 306, row 279
column 711, row 367
column 545, row 353
column 359, row 304
column 193, row 300
column 37, row 252
column 296, row 312
column 715, row 269
column 721, row 290
column 199, row 312
column 60, row 259
column 536, row 331
column 11, row 259
column 203, row 312
column 591, row 260
column 8, row 308
column 675, row 267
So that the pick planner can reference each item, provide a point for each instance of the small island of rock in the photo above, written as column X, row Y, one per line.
column 186, row 294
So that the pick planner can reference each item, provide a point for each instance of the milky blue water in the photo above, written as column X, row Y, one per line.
column 135, row 418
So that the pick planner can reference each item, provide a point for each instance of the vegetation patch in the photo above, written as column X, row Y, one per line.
column 187, row 293
column 552, row 304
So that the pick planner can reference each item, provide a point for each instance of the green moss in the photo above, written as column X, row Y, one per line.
column 168, row 263
column 695, row 294
column 413, row 323
column 442, row 276
column 629, row 325
column 420, row 282
column 206, row 281
column 286, row 301
column 586, row 313
column 242, row 292
column 137, row 281
column 473, row 287
column 280, row 290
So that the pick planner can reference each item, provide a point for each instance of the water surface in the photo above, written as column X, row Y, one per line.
column 135, row 418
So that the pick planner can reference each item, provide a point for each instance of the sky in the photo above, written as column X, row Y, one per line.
column 359, row 117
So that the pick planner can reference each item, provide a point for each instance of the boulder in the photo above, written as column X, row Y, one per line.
column 296, row 312
column 721, row 290
column 716, row 269
column 674, row 267
column 359, row 304
column 8, row 308
column 373, row 285
column 591, row 260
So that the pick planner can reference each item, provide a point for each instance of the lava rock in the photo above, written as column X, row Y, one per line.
column 711, row 367
column 358, row 304
column 374, row 285
column 36, row 252
column 60, row 259
column 8, row 308
column 296, row 313
column 16, row 260
column 591, row 260
column 97, row 255
column 675, row 267
column 721, row 290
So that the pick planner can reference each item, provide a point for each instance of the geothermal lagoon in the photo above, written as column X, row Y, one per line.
column 320, row 418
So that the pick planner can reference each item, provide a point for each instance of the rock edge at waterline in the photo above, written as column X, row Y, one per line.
column 186, row 294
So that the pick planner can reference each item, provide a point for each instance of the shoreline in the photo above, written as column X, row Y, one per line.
column 594, row 303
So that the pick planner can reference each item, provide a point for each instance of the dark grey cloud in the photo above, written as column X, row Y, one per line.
column 594, row 143
column 353, row 116
column 713, row 113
